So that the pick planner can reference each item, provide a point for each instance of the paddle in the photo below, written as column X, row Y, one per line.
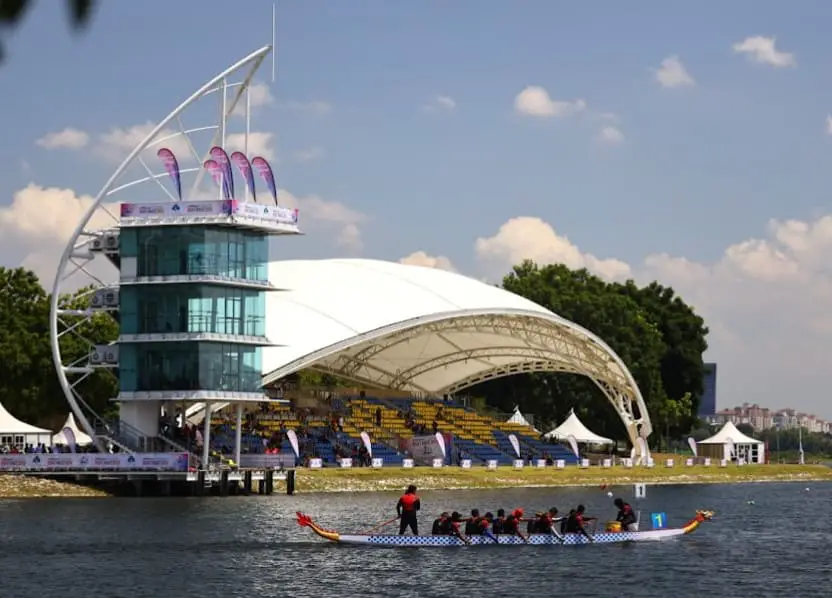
column 380, row 525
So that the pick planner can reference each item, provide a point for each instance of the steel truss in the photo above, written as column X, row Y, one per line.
column 79, row 254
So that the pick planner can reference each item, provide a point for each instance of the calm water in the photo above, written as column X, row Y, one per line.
column 780, row 546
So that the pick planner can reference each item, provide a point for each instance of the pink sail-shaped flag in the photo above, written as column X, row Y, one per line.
column 221, row 158
column 692, row 445
column 293, row 440
column 244, row 166
column 365, row 438
column 515, row 444
column 573, row 444
column 172, row 166
column 215, row 170
column 441, row 441
column 266, row 174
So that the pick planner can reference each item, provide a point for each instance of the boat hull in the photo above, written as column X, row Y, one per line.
column 390, row 540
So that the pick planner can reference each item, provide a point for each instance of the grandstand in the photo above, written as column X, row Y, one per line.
column 423, row 332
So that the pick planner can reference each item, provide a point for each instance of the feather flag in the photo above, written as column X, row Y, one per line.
column 293, row 440
column 514, row 443
column 692, row 445
column 214, row 170
column 729, row 447
column 573, row 444
column 172, row 166
column 441, row 441
column 69, row 435
column 365, row 438
column 221, row 158
column 244, row 166
column 266, row 174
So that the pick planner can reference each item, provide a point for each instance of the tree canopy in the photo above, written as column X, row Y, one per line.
column 13, row 11
column 659, row 337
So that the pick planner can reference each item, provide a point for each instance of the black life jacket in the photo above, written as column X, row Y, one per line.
column 446, row 527
column 531, row 528
column 471, row 526
column 510, row 525
column 497, row 526
column 626, row 515
column 543, row 525
column 437, row 527
column 570, row 524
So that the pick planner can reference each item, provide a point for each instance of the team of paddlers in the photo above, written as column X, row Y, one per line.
column 547, row 522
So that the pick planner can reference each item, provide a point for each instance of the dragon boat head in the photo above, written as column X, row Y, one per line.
column 702, row 515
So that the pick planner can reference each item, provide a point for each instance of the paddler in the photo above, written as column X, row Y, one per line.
column 498, row 524
column 576, row 521
column 407, row 507
column 625, row 516
column 472, row 524
column 453, row 527
column 511, row 526
column 439, row 524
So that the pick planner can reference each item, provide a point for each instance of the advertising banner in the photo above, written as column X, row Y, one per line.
column 424, row 449
column 95, row 462
column 220, row 209
column 279, row 461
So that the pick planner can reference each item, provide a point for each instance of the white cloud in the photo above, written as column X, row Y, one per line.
column 611, row 136
column 259, row 95
column 334, row 216
column 259, row 144
column 672, row 73
column 762, row 50
column 829, row 124
column 118, row 142
column 526, row 237
column 69, row 138
column 314, row 107
column 440, row 104
column 420, row 258
column 536, row 101
column 310, row 154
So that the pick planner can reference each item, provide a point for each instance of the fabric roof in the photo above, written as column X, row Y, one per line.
column 420, row 329
column 518, row 418
column 81, row 438
column 573, row 426
column 9, row 424
column 730, row 432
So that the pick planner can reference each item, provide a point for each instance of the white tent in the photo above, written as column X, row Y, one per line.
column 81, row 438
column 14, row 432
column 573, row 427
column 517, row 418
column 720, row 445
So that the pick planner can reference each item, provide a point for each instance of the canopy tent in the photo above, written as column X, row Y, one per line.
column 574, row 427
column 16, row 433
column 81, row 438
column 729, row 444
column 518, row 418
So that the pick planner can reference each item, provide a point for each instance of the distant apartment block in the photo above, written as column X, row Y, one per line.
column 707, row 403
column 761, row 418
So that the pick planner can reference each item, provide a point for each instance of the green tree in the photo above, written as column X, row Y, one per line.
column 13, row 11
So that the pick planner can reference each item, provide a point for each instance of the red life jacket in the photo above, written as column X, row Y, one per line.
column 409, row 502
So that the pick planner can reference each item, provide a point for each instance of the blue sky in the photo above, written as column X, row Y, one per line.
column 701, row 167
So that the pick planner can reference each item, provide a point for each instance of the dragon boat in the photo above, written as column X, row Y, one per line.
column 603, row 537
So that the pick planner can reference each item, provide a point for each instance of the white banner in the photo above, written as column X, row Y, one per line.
column 723, row 463
column 214, row 209
column 669, row 462
column 377, row 462
column 95, row 462
column 424, row 449
column 466, row 464
column 346, row 462
column 515, row 444
column 689, row 462
column 407, row 463
column 650, row 462
column 584, row 462
column 540, row 463
column 560, row 463
column 365, row 438
column 606, row 463
column 519, row 463
column 707, row 462
column 293, row 440
column 438, row 463
column 316, row 463
column 278, row 461
column 627, row 461
column 491, row 464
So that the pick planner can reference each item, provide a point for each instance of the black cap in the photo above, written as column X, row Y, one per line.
column 501, row 512
column 475, row 512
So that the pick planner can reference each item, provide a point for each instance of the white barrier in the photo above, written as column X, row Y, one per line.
column 650, row 462
column 95, row 462
column 723, row 463
column 407, row 463
column 377, row 463
column 689, row 462
column 438, row 463
column 519, row 463
column 669, row 462
column 465, row 464
column 540, row 463
column 707, row 462
column 627, row 462
column 316, row 463
column 606, row 463
column 346, row 462
column 560, row 464
column 584, row 463
column 491, row 464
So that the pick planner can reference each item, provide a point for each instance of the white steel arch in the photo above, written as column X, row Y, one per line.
column 65, row 319
column 424, row 330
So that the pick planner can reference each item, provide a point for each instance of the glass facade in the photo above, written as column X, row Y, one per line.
column 195, row 250
column 195, row 308
column 707, row 404
column 189, row 366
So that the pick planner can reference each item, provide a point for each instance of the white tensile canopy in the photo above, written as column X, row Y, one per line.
column 719, row 445
column 518, row 418
column 574, row 427
column 14, row 432
column 81, row 438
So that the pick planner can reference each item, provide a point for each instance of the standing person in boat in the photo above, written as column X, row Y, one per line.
column 407, row 507
column 439, row 524
column 626, row 516
column 576, row 523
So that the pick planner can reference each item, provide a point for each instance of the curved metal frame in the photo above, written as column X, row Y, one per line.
column 552, row 343
column 77, row 251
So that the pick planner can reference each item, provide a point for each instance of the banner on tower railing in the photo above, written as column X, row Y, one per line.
column 212, row 208
column 95, row 462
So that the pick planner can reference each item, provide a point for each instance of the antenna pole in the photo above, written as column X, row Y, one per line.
column 274, row 40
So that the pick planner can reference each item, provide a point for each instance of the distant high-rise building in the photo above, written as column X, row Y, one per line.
column 707, row 403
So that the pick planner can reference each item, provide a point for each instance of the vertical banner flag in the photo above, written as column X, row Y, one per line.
column 266, row 174
column 441, row 441
column 729, row 445
column 69, row 435
column 514, row 443
column 645, row 451
column 214, row 170
column 293, row 440
column 244, row 166
column 221, row 158
column 172, row 166
column 573, row 444
column 692, row 445
column 365, row 438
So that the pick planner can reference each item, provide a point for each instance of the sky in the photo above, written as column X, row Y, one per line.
column 674, row 142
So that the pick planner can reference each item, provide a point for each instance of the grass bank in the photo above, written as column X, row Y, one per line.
column 18, row 486
column 455, row 478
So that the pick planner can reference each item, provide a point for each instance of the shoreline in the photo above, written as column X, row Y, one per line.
column 21, row 487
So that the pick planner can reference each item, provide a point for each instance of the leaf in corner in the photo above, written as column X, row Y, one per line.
column 80, row 12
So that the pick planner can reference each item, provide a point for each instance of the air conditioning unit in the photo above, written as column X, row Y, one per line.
column 97, row 244
column 111, row 298
column 96, row 358
column 97, row 299
column 111, row 355
column 111, row 241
